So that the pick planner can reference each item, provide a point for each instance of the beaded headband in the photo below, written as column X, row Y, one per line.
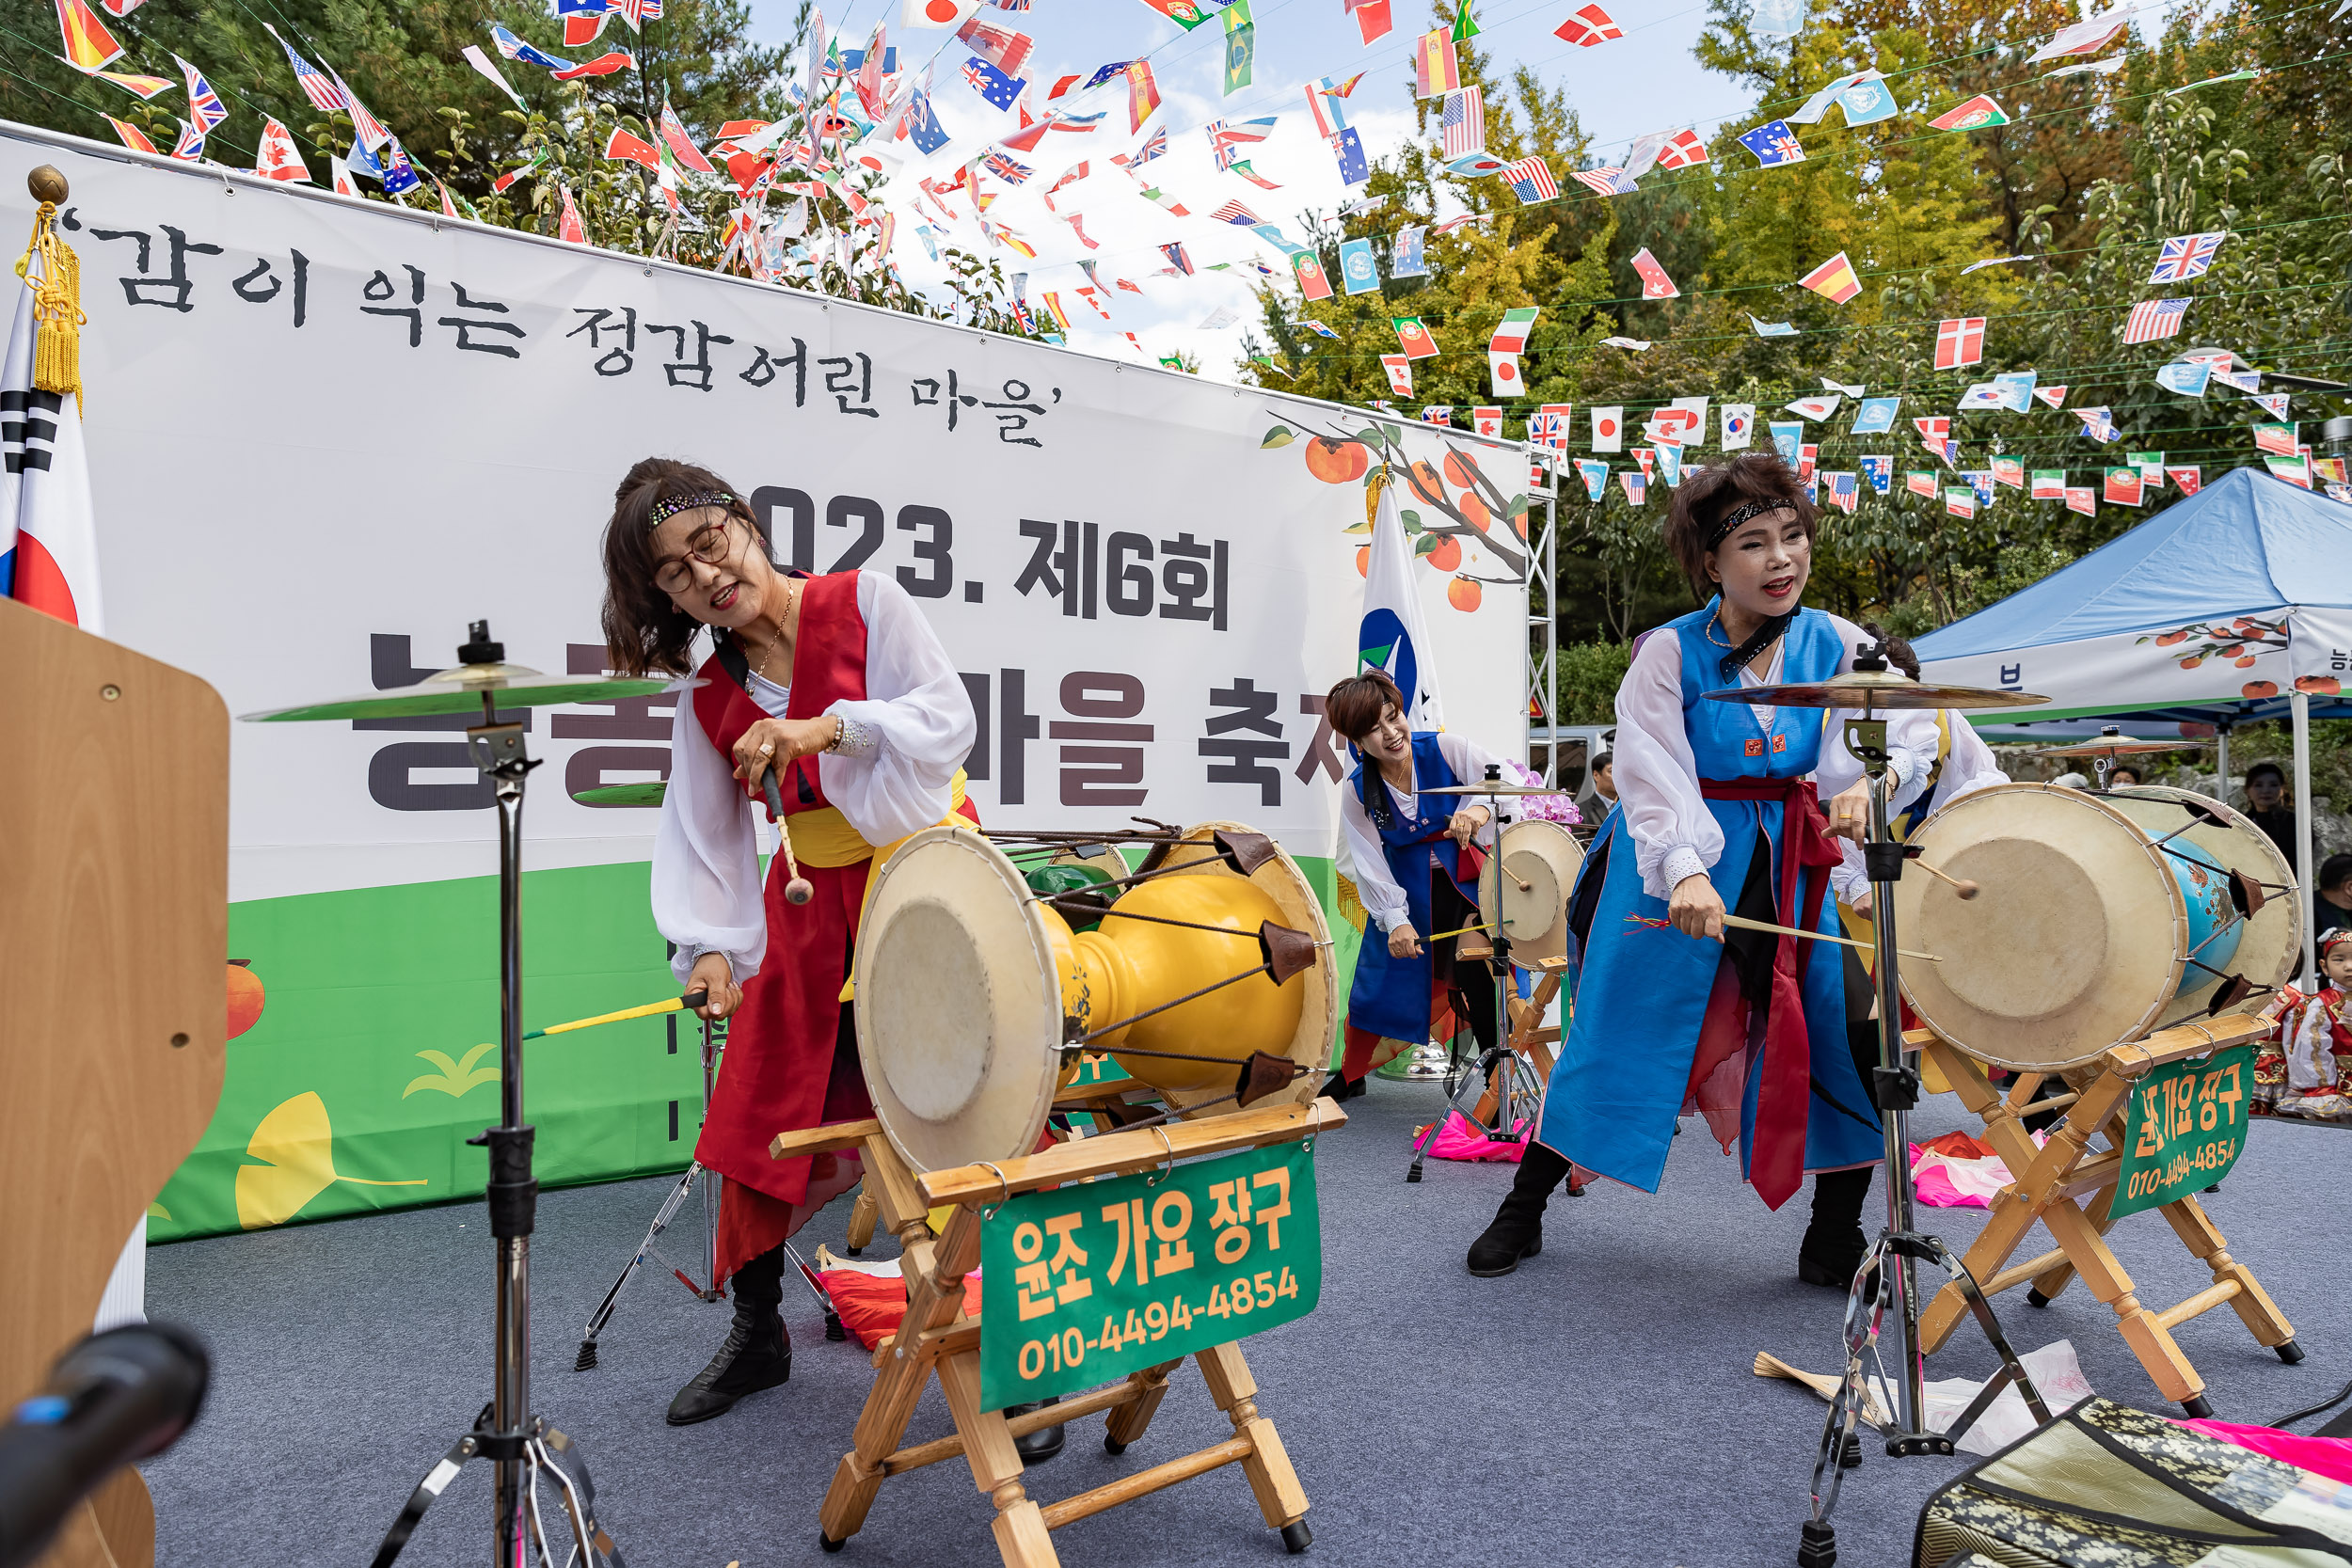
column 1741, row 513
column 662, row 510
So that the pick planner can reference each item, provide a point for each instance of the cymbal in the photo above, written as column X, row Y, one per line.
column 2118, row 746
column 648, row 794
column 461, row 690
column 1881, row 690
column 1493, row 789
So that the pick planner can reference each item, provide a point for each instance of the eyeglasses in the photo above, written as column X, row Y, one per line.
column 710, row 545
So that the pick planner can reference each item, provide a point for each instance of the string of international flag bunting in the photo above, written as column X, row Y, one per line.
column 854, row 104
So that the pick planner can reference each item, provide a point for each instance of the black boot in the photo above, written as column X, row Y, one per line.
column 1038, row 1446
column 1518, row 1230
column 1834, row 1242
column 757, row 1354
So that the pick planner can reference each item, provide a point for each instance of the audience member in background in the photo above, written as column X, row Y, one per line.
column 2071, row 781
column 1605, row 780
column 2267, row 804
column 2125, row 776
column 2331, row 901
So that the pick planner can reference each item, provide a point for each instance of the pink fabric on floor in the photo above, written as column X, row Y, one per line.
column 2323, row 1456
column 1458, row 1140
column 1944, row 1178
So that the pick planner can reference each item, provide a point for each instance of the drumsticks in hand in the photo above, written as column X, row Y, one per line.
column 1961, row 885
column 796, row 890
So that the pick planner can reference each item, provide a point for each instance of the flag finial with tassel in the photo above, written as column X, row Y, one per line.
column 56, row 293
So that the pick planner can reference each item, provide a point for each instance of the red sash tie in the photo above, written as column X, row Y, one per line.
column 1784, row 1088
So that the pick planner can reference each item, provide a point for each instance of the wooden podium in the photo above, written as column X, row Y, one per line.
column 2066, row 1187
column 114, row 934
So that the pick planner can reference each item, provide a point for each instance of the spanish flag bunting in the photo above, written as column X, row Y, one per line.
column 1143, row 95
column 1436, row 69
column 88, row 46
column 1833, row 280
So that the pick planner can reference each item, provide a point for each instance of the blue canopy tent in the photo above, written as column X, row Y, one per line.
column 2229, row 606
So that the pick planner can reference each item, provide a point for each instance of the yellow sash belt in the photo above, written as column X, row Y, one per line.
column 823, row 837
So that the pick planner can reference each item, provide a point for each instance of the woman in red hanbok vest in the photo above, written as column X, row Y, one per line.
column 838, row 683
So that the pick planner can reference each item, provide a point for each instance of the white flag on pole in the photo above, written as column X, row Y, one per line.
column 1394, row 637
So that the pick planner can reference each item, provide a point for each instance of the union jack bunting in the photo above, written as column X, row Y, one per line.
column 1153, row 145
column 315, row 85
column 190, row 147
column 2151, row 319
column 1531, row 179
column 1010, row 170
column 203, row 102
column 1463, row 122
column 2187, row 256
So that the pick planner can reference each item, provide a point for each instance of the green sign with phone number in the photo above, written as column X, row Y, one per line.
column 2186, row 1126
column 1091, row 1281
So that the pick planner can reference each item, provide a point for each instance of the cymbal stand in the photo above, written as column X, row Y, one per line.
column 1885, row 1285
column 1498, row 1063
column 517, row 1444
column 714, row 1036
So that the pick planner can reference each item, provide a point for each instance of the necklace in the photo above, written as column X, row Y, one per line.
column 1712, row 621
column 790, row 605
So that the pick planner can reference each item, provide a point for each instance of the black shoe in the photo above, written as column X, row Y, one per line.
column 757, row 1355
column 1518, row 1230
column 1038, row 1446
column 1834, row 1242
column 1502, row 1245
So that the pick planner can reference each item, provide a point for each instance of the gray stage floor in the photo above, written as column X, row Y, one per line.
column 1597, row 1408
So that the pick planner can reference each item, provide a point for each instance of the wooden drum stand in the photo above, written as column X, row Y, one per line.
column 2067, row 1186
column 939, row 1337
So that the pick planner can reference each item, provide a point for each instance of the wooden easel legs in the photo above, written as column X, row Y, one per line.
column 2050, row 1181
column 937, row 1337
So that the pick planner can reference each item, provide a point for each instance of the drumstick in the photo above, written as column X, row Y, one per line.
column 796, row 891
column 1438, row 936
column 651, row 1009
column 1961, row 885
column 1747, row 925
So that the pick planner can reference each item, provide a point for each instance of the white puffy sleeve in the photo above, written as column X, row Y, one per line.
column 1469, row 761
column 1675, row 835
column 1375, row 889
column 1910, row 738
column 903, row 743
column 706, row 857
column 1971, row 765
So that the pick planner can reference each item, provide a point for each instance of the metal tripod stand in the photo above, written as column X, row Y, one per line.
column 1885, row 1281
column 519, row 1445
column 1499, row 1064
column 714, row 1039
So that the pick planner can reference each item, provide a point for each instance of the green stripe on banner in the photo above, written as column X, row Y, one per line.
column 333, row 1106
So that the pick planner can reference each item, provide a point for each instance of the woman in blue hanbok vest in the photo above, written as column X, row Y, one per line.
column 1722, row 809
column 1414, row 860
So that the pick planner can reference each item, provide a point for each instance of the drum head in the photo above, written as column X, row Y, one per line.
column 959, row 1003
column 2270, row 945
column 1546, row 857
column 2073, row 946
column 1279, row 878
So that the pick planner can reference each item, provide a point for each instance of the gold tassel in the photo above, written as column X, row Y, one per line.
column 58, row 313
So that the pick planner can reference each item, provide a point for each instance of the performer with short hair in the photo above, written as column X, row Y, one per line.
column 1415, row 858
column 1719, row 811
column 838, row 685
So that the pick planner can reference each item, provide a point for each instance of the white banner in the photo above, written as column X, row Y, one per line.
column 324, row 436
